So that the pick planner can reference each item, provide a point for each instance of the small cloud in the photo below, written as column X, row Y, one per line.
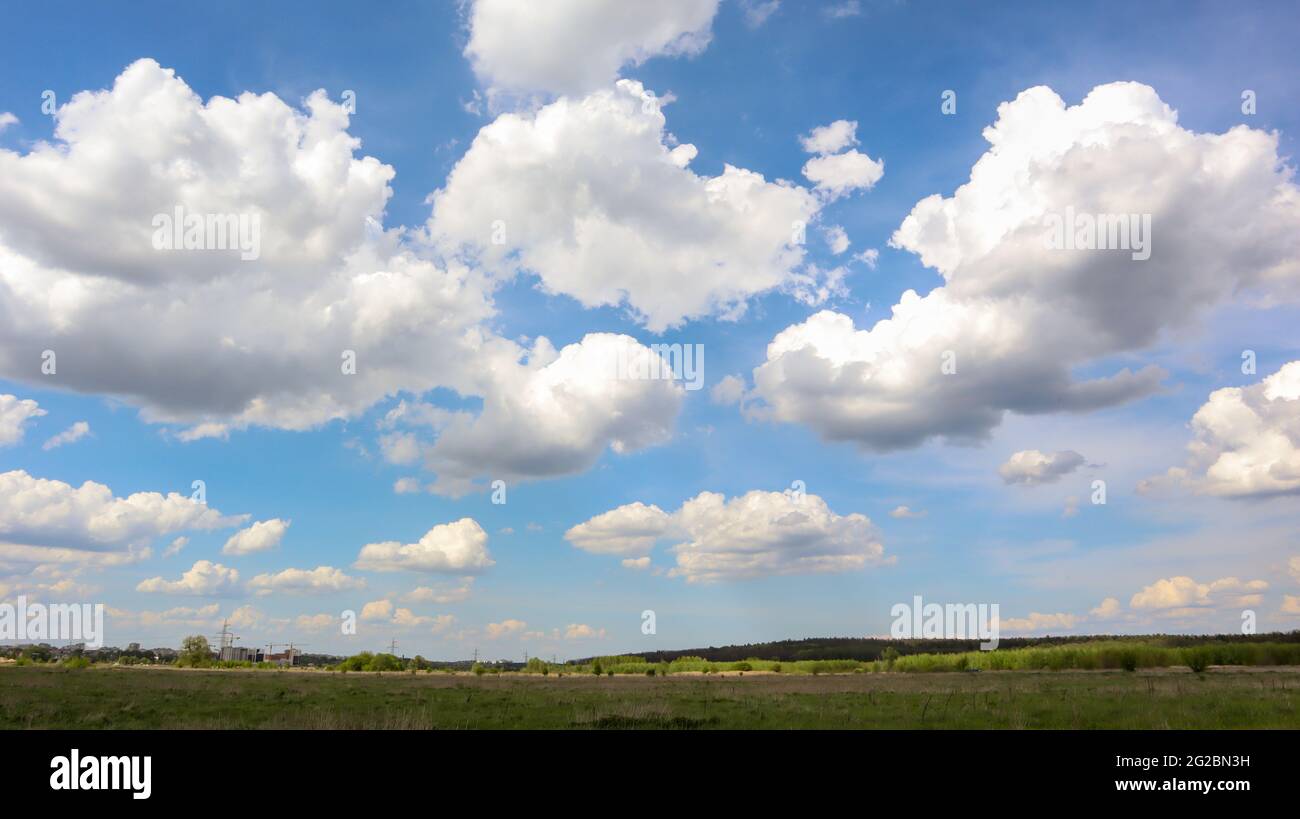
column 506, row 628
column 639, row 564
column 828, row 139
column 441, row 594
column 206, row 430
column 906, row 513
column 15, row 413
column 1106, row 609
column 582, row 631
column 260, row 537
column 758, row 11
column 870, row 257
column 1071, row 507
column 406, row 486
column 320, row 580
column 1031, row 467
column 175, row 547
column 70, row 435
column 728, row 391
column 836, row 239
column 838, row 11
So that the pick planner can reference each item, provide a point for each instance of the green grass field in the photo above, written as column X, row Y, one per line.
column 129, row 698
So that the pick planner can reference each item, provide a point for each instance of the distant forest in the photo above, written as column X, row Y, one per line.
column 870, row 648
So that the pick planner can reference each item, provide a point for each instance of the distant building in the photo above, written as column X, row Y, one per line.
column 241, row 654
column 288, row 658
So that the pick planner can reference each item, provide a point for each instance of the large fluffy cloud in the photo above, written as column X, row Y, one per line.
column 459, row 547
column 204, row 337
column 1016, row 319
column 1247, row 441
column 754, row 535
column 334, row 315
column 556, row 414
column 204, row 579
column 39, row 516
column 1179, row 594
column 632, row 529
column 592, row 195
column 573, row 46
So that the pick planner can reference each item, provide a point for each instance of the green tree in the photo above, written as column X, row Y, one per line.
column 195, row 652
column 385, row 662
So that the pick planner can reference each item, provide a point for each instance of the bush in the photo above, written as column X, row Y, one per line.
column 1197, row 659
column 1128, row 660
column 478, row 670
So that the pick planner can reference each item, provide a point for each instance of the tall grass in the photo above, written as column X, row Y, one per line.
column 1102, row 654
column 1106, row 655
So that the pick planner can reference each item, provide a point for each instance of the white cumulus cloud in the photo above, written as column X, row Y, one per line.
column 1031, row 467
column 459, row 547
column 320, row 580
column 754, row 535
column 259, row 537
column 1246, row 441
column 591, row 196
column 204, row 579
column 70, row 435
column 15, row 412
column 1015, row 319
column 574, row 46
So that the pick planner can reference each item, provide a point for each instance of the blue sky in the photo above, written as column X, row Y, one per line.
column 1187, row 553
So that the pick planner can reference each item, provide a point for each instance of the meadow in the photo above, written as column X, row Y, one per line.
column 115, row 697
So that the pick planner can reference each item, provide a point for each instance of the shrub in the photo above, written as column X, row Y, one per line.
column 479, row 670
column 1197, row 659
